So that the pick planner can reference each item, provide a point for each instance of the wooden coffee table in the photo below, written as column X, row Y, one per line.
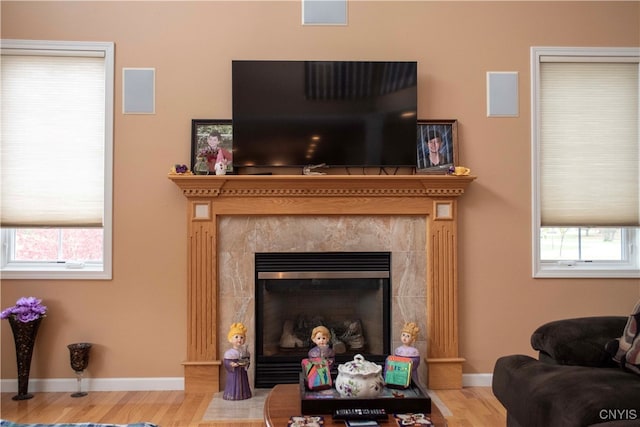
column 283, row 402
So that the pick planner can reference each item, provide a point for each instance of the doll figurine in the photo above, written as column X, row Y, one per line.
column 236, row 362
column 321, row 337
column 408, row 336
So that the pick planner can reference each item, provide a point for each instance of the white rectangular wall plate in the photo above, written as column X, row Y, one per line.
column 324, row 12
column 502, row 94
column 138, row 90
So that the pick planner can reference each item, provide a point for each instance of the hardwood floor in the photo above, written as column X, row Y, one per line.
column 471, row 406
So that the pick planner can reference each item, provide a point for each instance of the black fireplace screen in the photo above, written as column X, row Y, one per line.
column 348, row 292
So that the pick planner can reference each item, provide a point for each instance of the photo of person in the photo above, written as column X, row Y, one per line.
column 212, row 141
column 436, row 145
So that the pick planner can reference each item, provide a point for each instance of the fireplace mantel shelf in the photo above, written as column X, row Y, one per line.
column 209, row 198
column 321, row 185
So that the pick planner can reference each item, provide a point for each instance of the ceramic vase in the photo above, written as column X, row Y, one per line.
column 24, row 336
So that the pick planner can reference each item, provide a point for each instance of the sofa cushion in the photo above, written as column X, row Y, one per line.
column 580, row 341
column 633, row 355
column 542, row 394
column 626, row 349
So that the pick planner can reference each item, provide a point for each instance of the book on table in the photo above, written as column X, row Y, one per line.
column 412, row 420
column 306, row 421
column 397, row 371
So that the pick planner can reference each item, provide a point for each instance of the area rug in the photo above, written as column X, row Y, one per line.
column 248, row 409
column 6, row 423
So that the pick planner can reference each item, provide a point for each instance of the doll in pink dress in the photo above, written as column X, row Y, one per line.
column 236, row 362
column 408, row 335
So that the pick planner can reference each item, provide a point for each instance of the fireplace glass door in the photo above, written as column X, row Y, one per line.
column 349, row 293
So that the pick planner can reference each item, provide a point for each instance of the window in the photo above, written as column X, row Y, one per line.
column 585, row 162
column 56, row 159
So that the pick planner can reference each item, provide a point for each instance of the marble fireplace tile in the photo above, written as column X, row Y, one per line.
column 408, row 309
column 322, row 233
column 408, row 274
column 237, row 274
column 237, row 234
column 408, row 233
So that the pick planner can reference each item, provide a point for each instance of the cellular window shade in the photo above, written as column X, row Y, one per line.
column 53, row 140
column 589, row 144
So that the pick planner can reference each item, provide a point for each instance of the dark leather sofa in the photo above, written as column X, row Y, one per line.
column 574, row 382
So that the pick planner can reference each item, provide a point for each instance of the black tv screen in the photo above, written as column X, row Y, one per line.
column 341, row 113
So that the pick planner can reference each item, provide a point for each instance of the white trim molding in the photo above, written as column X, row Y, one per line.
column 477, row 380
column 53, row 385
column 96, row 384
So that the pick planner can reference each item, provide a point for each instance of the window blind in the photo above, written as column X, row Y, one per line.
column 53, row 140
column 589, row 144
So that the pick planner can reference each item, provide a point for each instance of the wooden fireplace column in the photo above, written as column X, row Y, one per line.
column 209, row 197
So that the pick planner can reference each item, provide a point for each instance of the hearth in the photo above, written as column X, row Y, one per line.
column 349, row 292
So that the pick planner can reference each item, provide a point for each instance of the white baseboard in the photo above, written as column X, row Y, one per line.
column 477, row 380
column 96, row 384
column 162, row 383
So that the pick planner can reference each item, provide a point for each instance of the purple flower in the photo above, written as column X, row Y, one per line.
column 27, row 309
column 6, row 313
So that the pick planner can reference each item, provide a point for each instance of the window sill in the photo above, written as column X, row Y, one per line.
column 62, row 272
column 582, row 271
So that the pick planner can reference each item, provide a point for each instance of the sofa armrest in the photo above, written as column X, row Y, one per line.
column 579, row 341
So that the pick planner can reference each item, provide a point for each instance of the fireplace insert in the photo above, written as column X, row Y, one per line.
column 348, row 292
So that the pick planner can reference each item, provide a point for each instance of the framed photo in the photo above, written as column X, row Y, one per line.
column 437, row 144
column 212, row 140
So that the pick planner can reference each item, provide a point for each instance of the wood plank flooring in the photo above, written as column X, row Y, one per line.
column 470, row 407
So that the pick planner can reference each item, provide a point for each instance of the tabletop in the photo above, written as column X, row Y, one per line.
column 283, row 402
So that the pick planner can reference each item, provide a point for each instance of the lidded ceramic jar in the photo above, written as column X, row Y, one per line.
column 359, row 378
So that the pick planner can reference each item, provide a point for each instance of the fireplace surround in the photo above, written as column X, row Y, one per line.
column 212, row 199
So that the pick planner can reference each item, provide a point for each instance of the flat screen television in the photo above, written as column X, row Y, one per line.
column 340, row 113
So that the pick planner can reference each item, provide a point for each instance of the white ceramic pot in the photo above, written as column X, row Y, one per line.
column 359, row 378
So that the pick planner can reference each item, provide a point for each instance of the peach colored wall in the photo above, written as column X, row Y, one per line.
column 137, row 320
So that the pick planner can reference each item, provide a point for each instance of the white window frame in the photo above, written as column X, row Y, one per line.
column 70, row 270
column 629, row 267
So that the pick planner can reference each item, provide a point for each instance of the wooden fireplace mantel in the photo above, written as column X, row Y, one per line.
column 209, row 197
